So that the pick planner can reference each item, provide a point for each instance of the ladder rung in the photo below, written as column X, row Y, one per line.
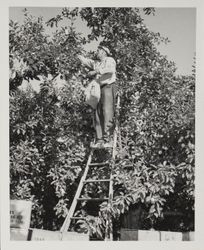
column 78, row 218
column 93, row 199
column 98, row 164
column 100, row 180
column 127, row 166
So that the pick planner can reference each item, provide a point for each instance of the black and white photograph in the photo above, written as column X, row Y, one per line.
column 102, row 123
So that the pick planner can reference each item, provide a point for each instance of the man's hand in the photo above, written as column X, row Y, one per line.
column 80, row 57
column 92, row 73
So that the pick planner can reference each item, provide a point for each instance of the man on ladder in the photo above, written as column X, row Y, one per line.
column 104, row 72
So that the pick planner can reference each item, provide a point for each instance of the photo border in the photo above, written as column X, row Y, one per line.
column 4, row 129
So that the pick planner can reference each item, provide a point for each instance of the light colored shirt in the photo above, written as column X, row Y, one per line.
column 106, row 69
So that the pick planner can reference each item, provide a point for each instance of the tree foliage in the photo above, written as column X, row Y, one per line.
column 50, row 131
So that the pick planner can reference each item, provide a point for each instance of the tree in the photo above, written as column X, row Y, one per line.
column 32, row 53
column 156, row 121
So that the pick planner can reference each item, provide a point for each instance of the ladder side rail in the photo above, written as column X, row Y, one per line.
column 67, row 220
column 109, row 233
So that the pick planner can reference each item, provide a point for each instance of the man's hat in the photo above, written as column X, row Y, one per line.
column 105, row 49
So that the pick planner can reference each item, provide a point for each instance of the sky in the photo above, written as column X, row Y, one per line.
column 178, row 24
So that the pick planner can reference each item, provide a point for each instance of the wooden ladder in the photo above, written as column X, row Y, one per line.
column 84, row 180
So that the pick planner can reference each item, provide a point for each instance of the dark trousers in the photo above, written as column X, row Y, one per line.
column 104, row 113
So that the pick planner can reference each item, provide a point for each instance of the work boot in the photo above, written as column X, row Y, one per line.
column 98, row 144
column 108, row 143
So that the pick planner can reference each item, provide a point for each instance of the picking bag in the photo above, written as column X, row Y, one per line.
column 92, row 94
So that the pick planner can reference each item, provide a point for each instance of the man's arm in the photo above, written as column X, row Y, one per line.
column 110, row 67
column 86, row 61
